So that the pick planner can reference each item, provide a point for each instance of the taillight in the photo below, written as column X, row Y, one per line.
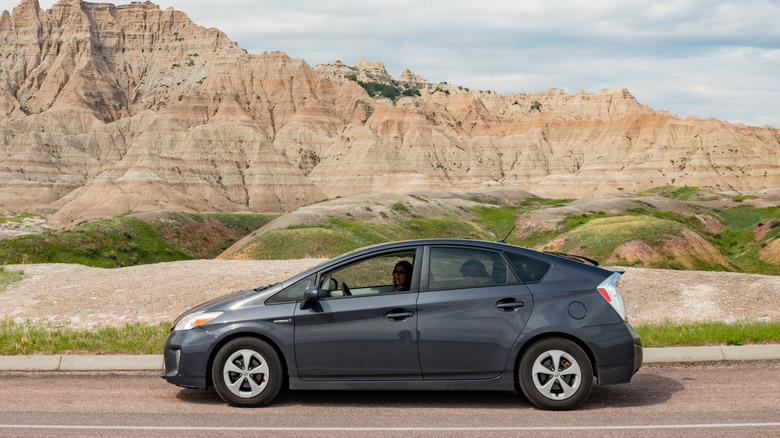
column 610, row 291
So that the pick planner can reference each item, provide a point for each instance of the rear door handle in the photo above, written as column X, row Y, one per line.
column 509, row 304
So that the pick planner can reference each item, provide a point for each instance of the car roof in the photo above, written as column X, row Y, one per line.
column 420, row 242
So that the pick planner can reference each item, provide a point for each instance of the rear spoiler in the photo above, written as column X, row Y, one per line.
column 578, row 258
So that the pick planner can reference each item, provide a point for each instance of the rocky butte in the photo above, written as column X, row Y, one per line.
column 107, row 109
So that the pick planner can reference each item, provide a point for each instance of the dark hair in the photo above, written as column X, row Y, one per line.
column 473, row 268
column 408, row 269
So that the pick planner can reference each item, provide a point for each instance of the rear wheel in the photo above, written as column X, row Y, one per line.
column 247, row 372
column 556, row 374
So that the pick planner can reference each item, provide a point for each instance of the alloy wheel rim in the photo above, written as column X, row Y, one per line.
column 246, row 373
column 556, row 375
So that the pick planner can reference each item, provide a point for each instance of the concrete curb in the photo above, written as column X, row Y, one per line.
column 152, row 362
column 710, row 354
column 108, row 362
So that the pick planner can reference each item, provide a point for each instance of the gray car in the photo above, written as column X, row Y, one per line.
column 432, row 314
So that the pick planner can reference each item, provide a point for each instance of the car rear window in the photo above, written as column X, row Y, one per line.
column 455, row 268
column 530, row 269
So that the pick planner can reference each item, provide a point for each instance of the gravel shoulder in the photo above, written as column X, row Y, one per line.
column 89, row 297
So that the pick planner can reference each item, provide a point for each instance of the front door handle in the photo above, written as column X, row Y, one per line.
column 398, row 314
column 509, row 304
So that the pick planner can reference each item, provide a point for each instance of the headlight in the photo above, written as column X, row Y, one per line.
column 195, row 319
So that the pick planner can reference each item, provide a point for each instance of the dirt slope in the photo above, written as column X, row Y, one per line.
column 87, row 297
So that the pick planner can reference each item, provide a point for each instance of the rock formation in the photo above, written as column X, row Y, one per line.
column 107, row 109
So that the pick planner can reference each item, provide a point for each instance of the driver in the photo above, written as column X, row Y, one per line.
column 402, row 276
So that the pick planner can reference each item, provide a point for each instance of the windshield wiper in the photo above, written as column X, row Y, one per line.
column 259, row 288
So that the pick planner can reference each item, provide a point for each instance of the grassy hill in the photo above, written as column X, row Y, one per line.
column 667, row 227
column 128, row 240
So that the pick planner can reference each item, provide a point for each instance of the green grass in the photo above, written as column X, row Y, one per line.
column 602, row 235
column 244, row 223
column 744, row 217
column 740, row 244
column 8, row 277
column 674, row 192
column 595, row 234
column 17, row 218
column 33, row 338
column 670, row 334
column 500, row 220
column 339, row 235
column 126, row 241
column 109, row 243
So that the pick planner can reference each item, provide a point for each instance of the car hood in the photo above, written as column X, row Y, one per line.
column 225, row 301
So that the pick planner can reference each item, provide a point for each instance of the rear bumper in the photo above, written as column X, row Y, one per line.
column 617, row 352
column 638, row 352
column 186, row 357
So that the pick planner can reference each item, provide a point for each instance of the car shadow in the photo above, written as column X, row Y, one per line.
column 206, row 396
column 645, row 389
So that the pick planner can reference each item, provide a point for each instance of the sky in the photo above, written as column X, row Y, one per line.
column 716, row 58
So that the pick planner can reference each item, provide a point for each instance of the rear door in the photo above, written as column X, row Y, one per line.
column 360, row 328
column 471, row 315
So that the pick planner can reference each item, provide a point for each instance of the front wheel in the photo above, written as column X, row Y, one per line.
column 556, row 374
column 247, row 372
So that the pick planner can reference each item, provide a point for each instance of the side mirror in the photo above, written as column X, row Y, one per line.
column 311, row 295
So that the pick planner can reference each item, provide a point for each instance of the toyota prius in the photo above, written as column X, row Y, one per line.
column 435, row 314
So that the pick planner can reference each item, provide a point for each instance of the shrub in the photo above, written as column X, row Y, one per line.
column 374, row 88
column 400, row 206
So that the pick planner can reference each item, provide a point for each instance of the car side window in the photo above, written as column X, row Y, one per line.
column 371, row 276
column 454, row 268
column 530, row 269
column 293, row 292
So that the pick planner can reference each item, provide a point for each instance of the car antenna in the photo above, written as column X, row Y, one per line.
column 507, row 234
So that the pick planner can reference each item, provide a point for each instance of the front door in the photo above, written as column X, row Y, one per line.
column 361, row 327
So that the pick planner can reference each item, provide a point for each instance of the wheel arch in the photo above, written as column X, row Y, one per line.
column 547, row 335
column 246, row 334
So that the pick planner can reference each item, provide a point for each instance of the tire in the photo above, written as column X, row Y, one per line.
column 555, row 374
column 240, row 385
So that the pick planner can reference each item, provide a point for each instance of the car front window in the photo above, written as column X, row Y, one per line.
column 370, row 276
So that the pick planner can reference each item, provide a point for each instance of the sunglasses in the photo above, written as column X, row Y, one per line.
column 396, row 271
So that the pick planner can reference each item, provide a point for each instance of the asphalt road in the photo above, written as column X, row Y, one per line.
column 698, row 400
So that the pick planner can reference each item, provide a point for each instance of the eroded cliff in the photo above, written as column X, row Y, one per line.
column 106, row 109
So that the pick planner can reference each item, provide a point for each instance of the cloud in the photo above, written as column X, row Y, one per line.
column 709, row 58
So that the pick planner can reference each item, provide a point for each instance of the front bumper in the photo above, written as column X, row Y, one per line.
column 186, row 357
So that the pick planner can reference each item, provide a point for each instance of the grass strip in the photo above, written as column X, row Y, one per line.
column 34, row 338
column 669, row 334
